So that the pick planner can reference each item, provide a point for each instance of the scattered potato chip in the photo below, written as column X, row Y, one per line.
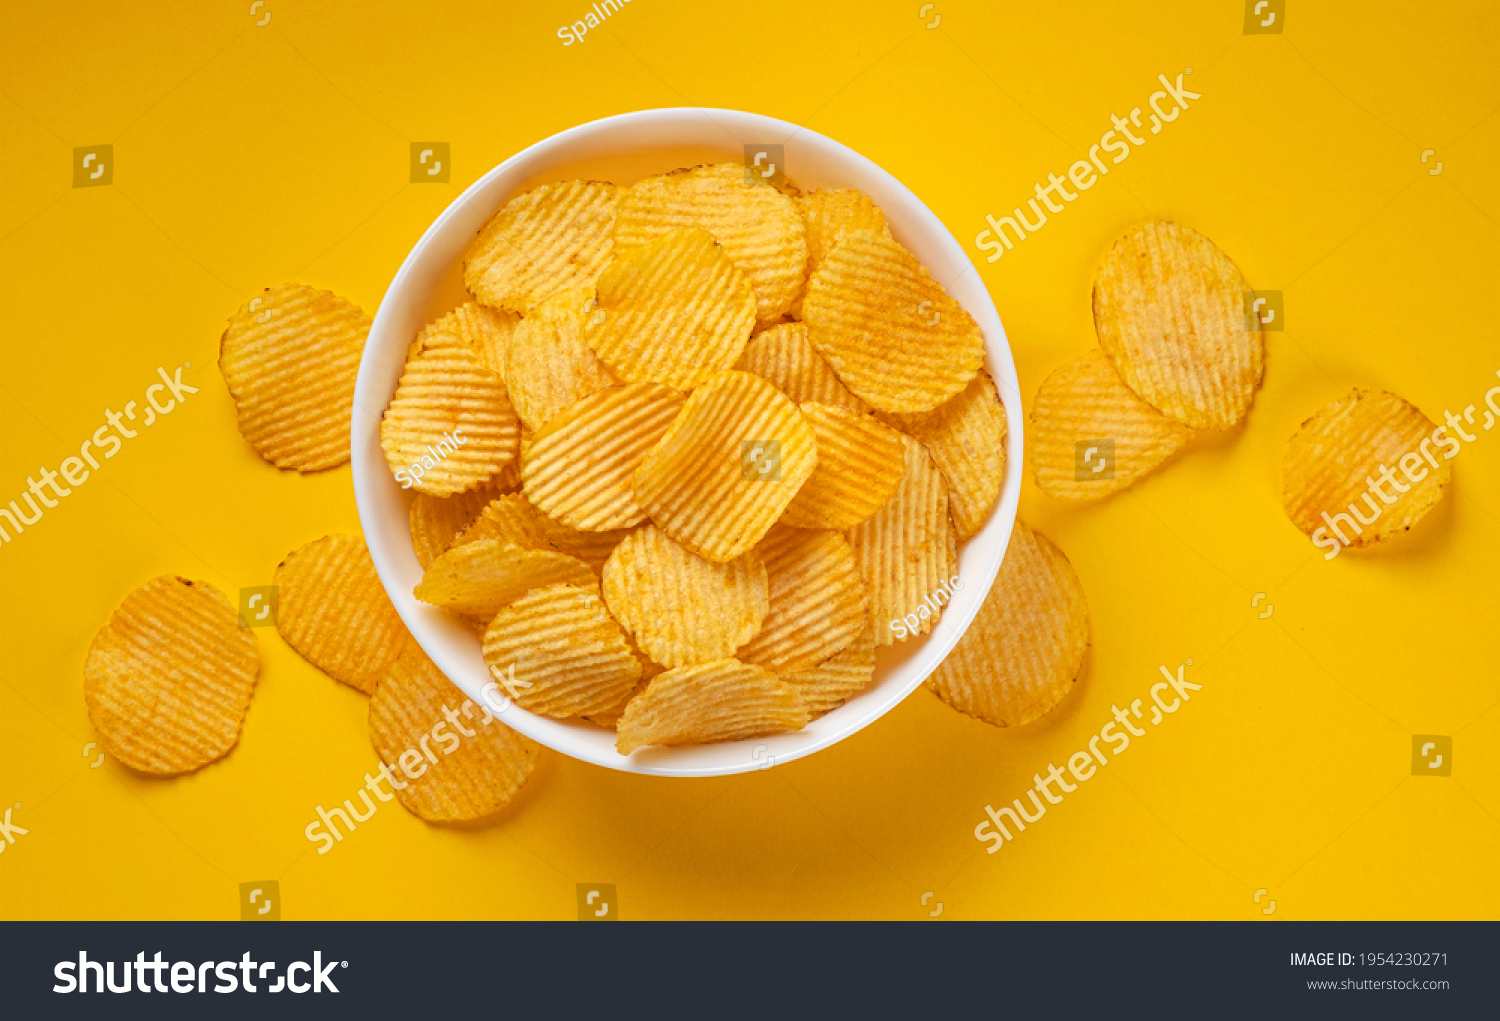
column 678, row 607
column 453, row 760
column 1340, row 461
column 437, row 520
column 728, row 466
column 335, row 612
column 549, row 367
column 673, row 311
column 1025, row 647
column 169, row 677
column 482, row 578
column 907, row 552
column 511, row 519
column 1169, row 311
column 561, row 652
column 549, row 239
column 593, row 548
column 485, row 331
column 725, row 700
column 818, row 601
column 830, row 684
column 832, row 215
column 578, row 470
column 860, row 464
column 450, row 426
column 289, row 358
column 758, row 226
column 896, row 340
column 1092, row 435
column 782, row 357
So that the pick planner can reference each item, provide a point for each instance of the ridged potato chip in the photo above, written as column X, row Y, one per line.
column 782, row 357
column 450, row 427
column 437, row 520
column 1086, row 402
column 708, row 483
column 549, row 239
column 289, row 358
column 966, row 438
column 725, row 700
column 674, row 311
column 1354, row 448
column 1025, row 647
column 561, row 652
column 336, row 614
column 482, row 578
column 830, row 684
column 678, row 607
column 860, row 464
column 907, row 552
column 511, row 519
column 549, row 368
column 758, row 226
column 454, row 761
column 169, row 677
column 832, row 215
column 484, row 330
column 1169, row 312
column 578, row 469
column 896, row 340
column 818, row 601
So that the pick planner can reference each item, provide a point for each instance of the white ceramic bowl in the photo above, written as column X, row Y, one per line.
column 623, row 149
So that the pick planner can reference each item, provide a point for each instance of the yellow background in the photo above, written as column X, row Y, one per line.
column 248, row 155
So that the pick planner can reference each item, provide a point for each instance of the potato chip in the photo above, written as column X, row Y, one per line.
column 482, row 578
column 549, row 239
column 725, row 700
column 437, row 520
column 818, row 601
column 449, row 759
column 335, row 612
column 860, row 464
column 450, row 426
column 593, row 548
column 289, row 358
column 560, row 653
column 169, row 677
column 511, row 519
column 832, row 215
column 549, row 367
column 830, row 684
column 758, row 226
column 1340, row 461
column 672, row 311
column 578, row 469
column 1169, row 311
column 728, row 466
column 486, row 331
column 1025, row 647
column 896, row 340
column 678, row 607
column 1092, row 435
column 782, row 357
column 907, row 552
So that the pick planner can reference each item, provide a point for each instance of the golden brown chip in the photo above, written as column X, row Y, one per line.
column 860, row 464
column 678, row 607
column 672, row 311
column 832, row 215
column 450, row 426
column 549, row 367
column 449, row 759
column 560, row 652
column 335, row 612
column 818, row 601
column 437, row 520
column 169, row 677
column 593, row 548
column 728, row 466
column 896, row 340
column 546, row 240
column 782, row 356
column 1169, row 308
column 725, row 700
column 578, row 470
column 833, row 682
column 1092, row 436
column 289, row 358
column 482, row 578
column 1366, row 467
column 1024, row 648
column 966, row 438
column 511, row 519
column 907, row 552
column 486, row 331
column 758, row 226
